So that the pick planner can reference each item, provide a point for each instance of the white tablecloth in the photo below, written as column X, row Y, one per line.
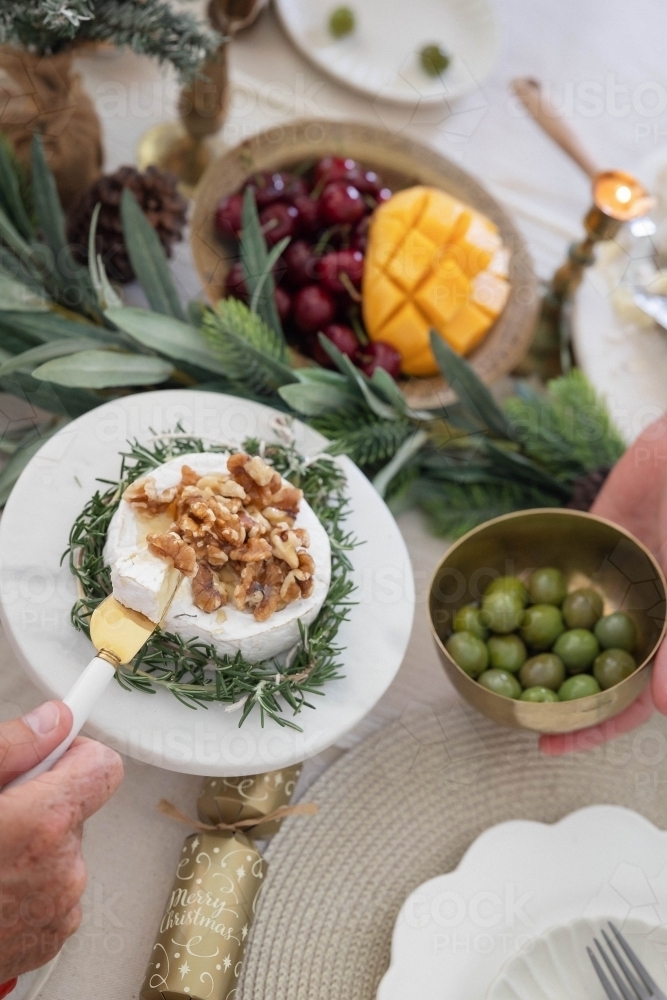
column 604, row 63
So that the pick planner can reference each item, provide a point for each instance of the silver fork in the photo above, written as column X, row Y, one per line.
column 630, row 986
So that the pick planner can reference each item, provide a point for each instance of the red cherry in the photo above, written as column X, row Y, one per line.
column 332, row 265
column 335, row 168
column 342, row 203
column 359, row 240
column 368, row 182
column 229, row 216
column 300, row 264
column 380, row 355
column 317, row 352
column 278, row 221
column 271, row 187
column 235, row 285
column 313, row 308
column 6, row 988
column 283, row 303
column 343, row 337
column 308, row 208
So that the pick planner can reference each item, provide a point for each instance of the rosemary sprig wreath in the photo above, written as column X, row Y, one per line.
column 192, row 670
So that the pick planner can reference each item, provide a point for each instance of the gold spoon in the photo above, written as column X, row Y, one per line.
column 117, row 633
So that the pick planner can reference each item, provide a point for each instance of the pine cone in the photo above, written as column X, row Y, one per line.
column 586, row 488
column 157, row 195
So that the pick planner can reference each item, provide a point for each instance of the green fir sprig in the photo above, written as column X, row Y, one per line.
column 192, row 670
column 149, row 27
column 460, row 463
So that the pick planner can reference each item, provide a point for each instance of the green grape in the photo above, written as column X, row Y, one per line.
column 434, row 61
column 547, row 586
column 466, row 619
column 342, row 22
column 539, row 694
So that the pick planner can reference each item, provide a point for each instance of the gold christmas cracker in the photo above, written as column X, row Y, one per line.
column 228, row 800
column 203, row 932
column 209, row 911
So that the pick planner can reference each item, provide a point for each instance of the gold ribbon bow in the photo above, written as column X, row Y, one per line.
column 304, row 809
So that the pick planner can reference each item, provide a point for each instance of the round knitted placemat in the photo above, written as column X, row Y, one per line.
column 401, row 808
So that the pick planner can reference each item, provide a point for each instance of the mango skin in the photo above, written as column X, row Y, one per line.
column 432, row 263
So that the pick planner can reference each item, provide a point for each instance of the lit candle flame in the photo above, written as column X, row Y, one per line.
column 623, row 194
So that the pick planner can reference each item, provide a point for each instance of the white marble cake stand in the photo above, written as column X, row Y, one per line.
column 37, row 593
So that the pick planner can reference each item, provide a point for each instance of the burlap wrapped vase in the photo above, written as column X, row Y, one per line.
column 43, row 94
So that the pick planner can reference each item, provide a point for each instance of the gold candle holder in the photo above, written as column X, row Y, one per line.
column 186, row 147
column 618, row 198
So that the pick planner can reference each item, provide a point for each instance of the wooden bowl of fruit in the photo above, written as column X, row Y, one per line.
column 388, row 240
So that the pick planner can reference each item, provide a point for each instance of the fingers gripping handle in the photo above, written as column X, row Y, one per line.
column 80, row 699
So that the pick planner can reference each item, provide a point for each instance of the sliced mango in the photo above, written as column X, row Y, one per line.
column 443, row 293
column 413, row 260
column 407, row 205
column 409, row 323
column 385, row 298
column 489, row 293
column 467, row 328
column 432, row 263
column 476, row 246
column 440, row 215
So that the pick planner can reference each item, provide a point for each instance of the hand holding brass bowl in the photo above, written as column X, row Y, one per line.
column 590, row 552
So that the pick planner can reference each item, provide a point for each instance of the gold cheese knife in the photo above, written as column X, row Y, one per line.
column 117, row 633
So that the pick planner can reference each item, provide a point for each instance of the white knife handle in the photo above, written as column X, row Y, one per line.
column 81, row 698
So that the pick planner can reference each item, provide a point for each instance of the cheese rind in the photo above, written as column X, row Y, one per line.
column 143, row 581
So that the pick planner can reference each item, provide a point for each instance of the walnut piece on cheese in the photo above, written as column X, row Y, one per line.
column 233, row 535
column 171, row 546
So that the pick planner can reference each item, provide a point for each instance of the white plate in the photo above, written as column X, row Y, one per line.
column 557, row 966
column 380, row 57
column 38, row 593
column 626, row 365
column 455, row 933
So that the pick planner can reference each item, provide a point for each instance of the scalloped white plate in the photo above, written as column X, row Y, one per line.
column 37, row 593
column 557, row 967
column 455, row 934
column 381, row 57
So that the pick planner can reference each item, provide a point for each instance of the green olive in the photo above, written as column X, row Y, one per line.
column 582, row 608
column 617, row 631
column 466, row 619
column 541, row 625
column 547, row 586
column 579, row 686
column 507, row 652
column 577, row 649
column 612, row 666
column 544, row 670
column 341, row 22
column 512, row 584
column 539, row 694
column 501, row 611
column 434, row 61
column 469, row 652
column 501, row 682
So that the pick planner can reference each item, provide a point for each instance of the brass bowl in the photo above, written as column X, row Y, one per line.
column 401, row 162
column 589, row 551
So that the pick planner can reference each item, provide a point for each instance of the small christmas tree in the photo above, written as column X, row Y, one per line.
column 149, row 27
